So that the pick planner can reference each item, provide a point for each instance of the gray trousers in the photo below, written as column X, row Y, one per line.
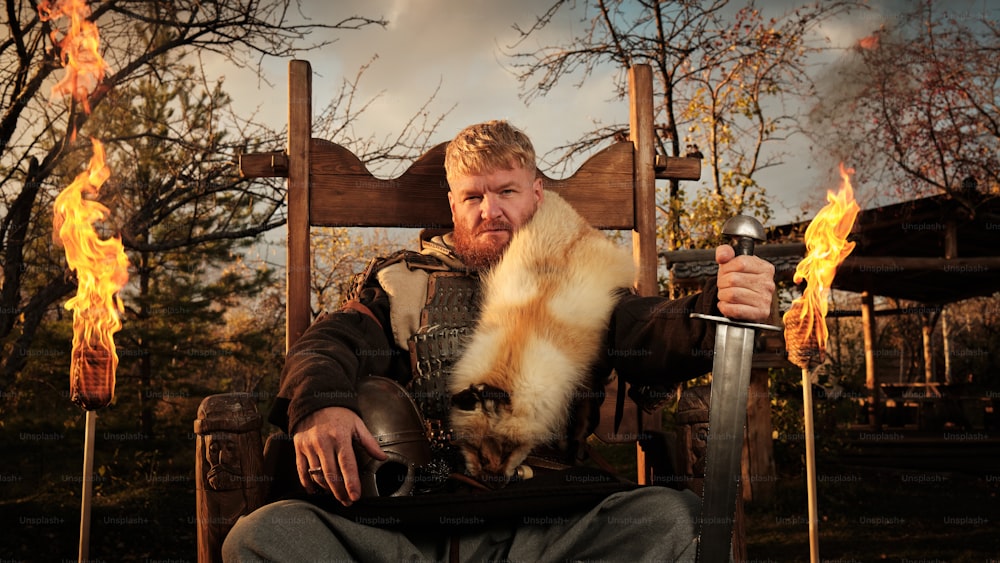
column 646, row 524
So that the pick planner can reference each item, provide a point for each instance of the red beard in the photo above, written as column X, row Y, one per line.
column 480, row 254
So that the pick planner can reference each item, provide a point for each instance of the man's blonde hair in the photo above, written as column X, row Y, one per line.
column 485, row 147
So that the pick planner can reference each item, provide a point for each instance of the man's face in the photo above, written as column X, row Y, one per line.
column 487, row 209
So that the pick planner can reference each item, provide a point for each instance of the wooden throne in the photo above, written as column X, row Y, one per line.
column 614, row 189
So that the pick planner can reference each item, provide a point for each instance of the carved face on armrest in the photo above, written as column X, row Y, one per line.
column 222, row 453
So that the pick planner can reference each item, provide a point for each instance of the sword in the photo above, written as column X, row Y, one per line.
column 734, row 343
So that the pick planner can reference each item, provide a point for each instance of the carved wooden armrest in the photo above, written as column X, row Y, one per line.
column 229, row 476
column 692, row 431
column 692, row 434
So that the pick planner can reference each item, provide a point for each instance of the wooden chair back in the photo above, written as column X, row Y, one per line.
column 328, row 186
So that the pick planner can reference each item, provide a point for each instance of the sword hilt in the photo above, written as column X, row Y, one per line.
column 733, row 356
column 745, row 232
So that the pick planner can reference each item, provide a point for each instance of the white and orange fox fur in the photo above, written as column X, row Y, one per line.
column 545, row 311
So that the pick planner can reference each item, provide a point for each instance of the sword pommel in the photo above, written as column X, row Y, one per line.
column 745, row 232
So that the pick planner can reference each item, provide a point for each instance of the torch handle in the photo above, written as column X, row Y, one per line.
column 88, row 485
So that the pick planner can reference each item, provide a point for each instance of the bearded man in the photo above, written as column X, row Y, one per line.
column 384, row 329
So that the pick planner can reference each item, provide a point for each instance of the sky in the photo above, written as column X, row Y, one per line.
column 457, row 45
column 462, row 47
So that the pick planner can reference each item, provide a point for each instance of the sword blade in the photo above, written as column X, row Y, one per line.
column 726, row 423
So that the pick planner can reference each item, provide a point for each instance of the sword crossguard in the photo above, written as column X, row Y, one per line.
column 731, row 322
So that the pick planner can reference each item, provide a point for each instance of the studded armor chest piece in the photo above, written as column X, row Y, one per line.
column 448, row 317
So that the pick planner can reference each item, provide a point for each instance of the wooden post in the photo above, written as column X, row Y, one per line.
column 871, row 381
column 298, row 291
column 946, row 343
column 644, row 233
column 641, row 132
column 759, row 479
column 950, row 252
column 927, row 333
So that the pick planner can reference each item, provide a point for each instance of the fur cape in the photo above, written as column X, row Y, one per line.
column 544, row 316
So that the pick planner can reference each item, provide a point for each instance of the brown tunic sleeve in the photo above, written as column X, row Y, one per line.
column 653, row 340
column 323, row 366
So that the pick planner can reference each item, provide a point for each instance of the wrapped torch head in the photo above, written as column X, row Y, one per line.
column 92, row 376
column 802, row 336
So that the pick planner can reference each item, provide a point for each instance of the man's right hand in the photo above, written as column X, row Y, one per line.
column 325, row 440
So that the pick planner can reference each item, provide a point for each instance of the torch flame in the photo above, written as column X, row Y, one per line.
column 101, row 265
column 101, row 270
column 826, row 247
column 79, row 47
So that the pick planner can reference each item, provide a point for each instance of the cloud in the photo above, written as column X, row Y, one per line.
column 460, row 46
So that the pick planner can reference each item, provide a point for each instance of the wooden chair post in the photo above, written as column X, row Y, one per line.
column 298, row 273
column 644, row 233
column 641, row 135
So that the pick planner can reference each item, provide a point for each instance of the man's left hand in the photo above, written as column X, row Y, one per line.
column 746, row 285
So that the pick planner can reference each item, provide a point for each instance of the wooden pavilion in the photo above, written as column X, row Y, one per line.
column 932, row 251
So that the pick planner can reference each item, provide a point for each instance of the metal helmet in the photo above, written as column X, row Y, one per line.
column 392, row 417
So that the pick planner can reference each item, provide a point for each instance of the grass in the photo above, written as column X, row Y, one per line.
column 873, row 514
column 143, row 504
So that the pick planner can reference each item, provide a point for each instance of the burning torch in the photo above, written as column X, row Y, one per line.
column 100, row 264
column 805, row 322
